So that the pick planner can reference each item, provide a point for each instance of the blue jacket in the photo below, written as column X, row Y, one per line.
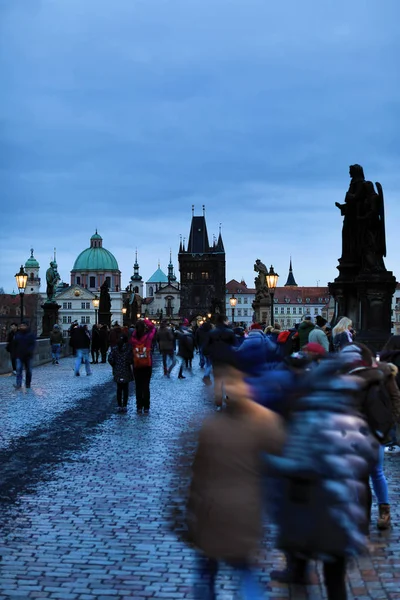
column 25, row 343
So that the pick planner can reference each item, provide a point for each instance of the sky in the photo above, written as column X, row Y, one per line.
column 121, row 115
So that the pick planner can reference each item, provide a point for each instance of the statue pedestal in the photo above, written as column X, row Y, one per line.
column 262, row 310
column 367, row 301
column 50, row 317
column 105, row 318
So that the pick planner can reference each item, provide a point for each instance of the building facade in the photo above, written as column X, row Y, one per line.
column 243, row 311
column 202, row 272
column 163, row 294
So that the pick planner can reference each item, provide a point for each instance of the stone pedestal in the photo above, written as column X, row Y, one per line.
column 262, row 310
column 105, row 318
column 367, row 300
column 50, row 317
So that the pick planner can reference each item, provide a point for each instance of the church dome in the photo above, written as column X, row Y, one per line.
column 158, row 277
column 31, row 263
column 95, row 258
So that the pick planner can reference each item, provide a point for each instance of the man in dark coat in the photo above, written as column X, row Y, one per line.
column 10, row 346
column 95, row 344
column 104, row 342
column 25, row 342
column 221, row 340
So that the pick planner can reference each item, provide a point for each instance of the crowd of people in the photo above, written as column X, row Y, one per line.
column 305, row 414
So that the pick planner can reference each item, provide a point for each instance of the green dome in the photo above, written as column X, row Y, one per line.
column 31, row 263
column 95, row 259
column 96, row 236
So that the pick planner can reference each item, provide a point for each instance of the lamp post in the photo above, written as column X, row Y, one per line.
column 233, row 302
column 96, row 303
column 272, row 282
column 124, row 311
column 209, row 316
column 21, row 279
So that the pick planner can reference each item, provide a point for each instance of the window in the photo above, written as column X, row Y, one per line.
column 288, row 322
column 32, row 276
column 69, row 305
column 83, row 320
column 288, row 310
column 69, row 319
column 294, row 310
column 245, row 300
column 190, row 275
column 92, row 282
column 308, row 300
column 64, row 320
column 83, row 305
column 204, row 275
column 108, row 279
column 151, row 291
column 239, row 300
column 88, row 305
column 245, row 312
column 300, row 310
column 276, row 310
column 136, row 290
column 239, row 312
column 315, row 311
column 299, row 300
column 287, row 300
column 282, row 310
column 87, row 320
column 78, row 281
column 64, row 305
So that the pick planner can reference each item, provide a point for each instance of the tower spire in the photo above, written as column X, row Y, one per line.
column 136, row 274
column 291, row 282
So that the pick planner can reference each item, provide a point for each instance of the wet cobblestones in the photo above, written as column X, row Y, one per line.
column 99, row 528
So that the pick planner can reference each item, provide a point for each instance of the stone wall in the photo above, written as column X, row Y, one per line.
column 42, row 354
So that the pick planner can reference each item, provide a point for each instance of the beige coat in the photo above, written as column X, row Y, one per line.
column 225, row 505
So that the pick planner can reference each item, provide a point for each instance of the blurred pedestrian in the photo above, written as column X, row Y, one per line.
column 318, row 334
column 341, row 334
column 104, row 342
column 221, row 341
column 115, row 334
column 121, row 360
column 25, row 343
column 10, row 346
column 141, row 342
column 304, row 329
column 166, row 344
column 95, row 344
column 225, row 499
column 82, row 344
column 56, row 341
column 185, row 347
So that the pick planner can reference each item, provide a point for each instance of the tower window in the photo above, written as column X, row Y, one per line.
column 204, row 275
column 151, row 291
column 136, row 290
column 78, row 281
column 108, row 279
column 92, row 282
column 32, row 276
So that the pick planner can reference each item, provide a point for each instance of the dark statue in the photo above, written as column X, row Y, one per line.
column 363, row 233
column 260, row 281
column 52, row 278
column 105, row 300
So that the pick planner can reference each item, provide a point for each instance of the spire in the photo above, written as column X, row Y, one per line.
column 32, row 253
column 220, row 244
column 291, row 282
column 180, row 244
column 136, row 276
column 171, row 276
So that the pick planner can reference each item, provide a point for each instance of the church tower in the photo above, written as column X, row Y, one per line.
column 32, row 270
column 136, row 283
column 202, row 271
column 291, row 282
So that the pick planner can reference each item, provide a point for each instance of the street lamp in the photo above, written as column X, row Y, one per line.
column 209, row 315
column 96, row 303
column 233, row 302
column 21, row 279
column 272, row 282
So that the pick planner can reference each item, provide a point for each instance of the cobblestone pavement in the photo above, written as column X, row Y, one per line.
column 93, row 522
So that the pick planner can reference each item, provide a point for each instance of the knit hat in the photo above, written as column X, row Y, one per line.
column 320, row 321
column 314, row 348
column 256, row 326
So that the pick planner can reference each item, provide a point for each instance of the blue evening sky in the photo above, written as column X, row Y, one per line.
column 120, row 115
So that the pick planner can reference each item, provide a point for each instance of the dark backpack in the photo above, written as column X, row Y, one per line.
column 377, row 408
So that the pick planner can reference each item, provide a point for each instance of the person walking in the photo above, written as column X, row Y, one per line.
column 25, row 343
column 305, row 327
column 82, row 344
column 224, row 516
column 104, row 342
column 166, row 343
column 141, row 342
column 341, row 334
column 10, row 346
column 115, row 334
column 56, row 341
column 185, row 347
column 221, row 340
column 318, row 334
column 95, row 345
column 121, row 360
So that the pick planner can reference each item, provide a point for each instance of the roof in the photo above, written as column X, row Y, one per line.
column 95, row 259
column 299, row 295
column 198, row 239
column 158, row 277
column 32, row 263
column 96, row 236
column 234, row 287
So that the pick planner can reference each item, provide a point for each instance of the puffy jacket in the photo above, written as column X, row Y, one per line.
column 56, row 337
column 25, row 343
column 80, row 338
column 121, row 360
column 324, row 491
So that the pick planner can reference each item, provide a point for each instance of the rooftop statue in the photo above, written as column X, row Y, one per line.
column 52, row 278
